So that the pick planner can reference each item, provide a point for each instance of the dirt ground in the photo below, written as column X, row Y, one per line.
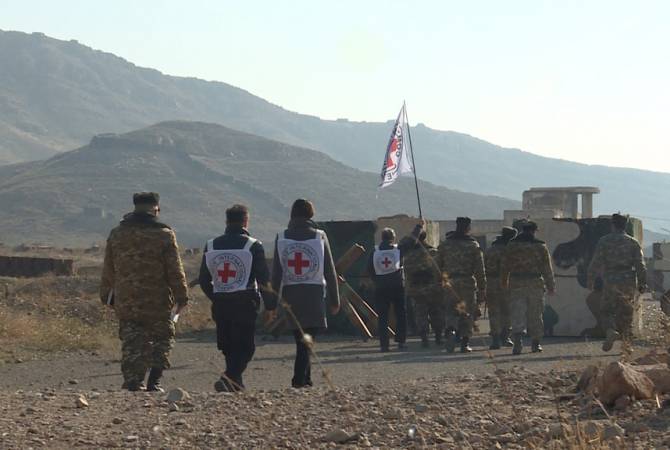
column 416, row 398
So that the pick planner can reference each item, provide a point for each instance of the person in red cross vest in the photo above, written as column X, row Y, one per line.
column 304, row 274
column 385, row 267
column 234, row 275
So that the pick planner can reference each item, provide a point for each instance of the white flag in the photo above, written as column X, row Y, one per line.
column 397, row 160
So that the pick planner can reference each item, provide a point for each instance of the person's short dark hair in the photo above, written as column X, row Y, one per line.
column 388, row 235
column 529, row 226
column 619, row 221
column 422, row 236
column 146, row 198
column 302, row 209
column 462, row 223
column 237, row 213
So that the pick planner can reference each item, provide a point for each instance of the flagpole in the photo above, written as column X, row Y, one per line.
column 411, row 152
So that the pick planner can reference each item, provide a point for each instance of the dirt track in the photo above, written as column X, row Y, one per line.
column 197, row 363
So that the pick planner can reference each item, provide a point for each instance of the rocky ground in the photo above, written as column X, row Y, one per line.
column 400, row 399
column 508, row 408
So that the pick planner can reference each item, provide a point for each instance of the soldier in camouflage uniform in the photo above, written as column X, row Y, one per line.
column 618, row 259
column 525, row 269
column 143, row 278
column 423, row 284
column 460, row 259
column 497, row 298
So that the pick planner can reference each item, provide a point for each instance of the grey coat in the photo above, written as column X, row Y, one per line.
column 307, row 301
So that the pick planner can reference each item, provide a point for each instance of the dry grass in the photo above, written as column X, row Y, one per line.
column 22, row 332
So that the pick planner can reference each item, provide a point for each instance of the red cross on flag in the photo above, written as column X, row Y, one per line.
column 397, row 159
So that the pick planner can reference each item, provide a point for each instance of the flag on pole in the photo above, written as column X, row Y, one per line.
column 397, row 159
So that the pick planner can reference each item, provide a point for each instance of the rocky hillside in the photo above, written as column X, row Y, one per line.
column 55, row 95
column 200, row 169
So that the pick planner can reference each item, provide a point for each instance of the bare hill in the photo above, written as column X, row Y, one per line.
column 200, row 169
column 55, row 95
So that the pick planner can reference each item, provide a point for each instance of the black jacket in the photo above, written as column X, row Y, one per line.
column 241, row 305
column 395, row 280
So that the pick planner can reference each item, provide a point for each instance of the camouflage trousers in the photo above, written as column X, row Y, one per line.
column 526, row 308
column 618, row 307
column 144, row 345
column 429, row 308
column 497, row 301
column 461, row 316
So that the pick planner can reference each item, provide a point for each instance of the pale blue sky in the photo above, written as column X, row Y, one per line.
column 580, row 80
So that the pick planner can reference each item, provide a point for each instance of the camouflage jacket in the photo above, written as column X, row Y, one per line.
column 419, row 262
column 460, row 258
column 143, row 269
column 525, row 262
column 618, row 259
column 492, row 258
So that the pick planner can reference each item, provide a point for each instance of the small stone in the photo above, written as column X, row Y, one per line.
column 172, row 407
column 506, row 438
column 442, row 420
column 420, row 408
column 117, row 421
column 131, row 438
column 612, row 431
column 177, row 395
column 338, row 436
column 73, row 381
column 81, row 402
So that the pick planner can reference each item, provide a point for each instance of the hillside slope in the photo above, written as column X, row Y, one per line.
column 55, row 95
column 200, row 169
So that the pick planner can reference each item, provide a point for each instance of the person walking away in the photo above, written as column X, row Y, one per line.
column 618, row 259
column 234, row 275
column 304, row 274
column 526, row 270
column 461, row 261
column 497, row 298
column 385, row 267
column 424, row 284
column 143, row 279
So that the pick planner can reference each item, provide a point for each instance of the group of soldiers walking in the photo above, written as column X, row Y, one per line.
column 449, row 285
column 143, row 280
column 513, row 276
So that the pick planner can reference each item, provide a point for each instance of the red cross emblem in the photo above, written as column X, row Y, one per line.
column 226, row 273
column 387, row 262
column 298, row 263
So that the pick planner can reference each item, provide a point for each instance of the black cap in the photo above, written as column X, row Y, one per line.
column 463, row 221
column 529, row 226
column 619, row 220
column 509, row 233
column 146, row 198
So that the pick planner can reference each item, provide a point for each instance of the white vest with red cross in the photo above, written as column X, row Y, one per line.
column 230, row 269
column 302, row 261
column 386, row 261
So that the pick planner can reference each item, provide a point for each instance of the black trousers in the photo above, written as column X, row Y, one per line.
column 236, row 342
column 384, row 298
column 302, row 369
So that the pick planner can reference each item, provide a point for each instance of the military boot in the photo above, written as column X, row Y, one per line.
column 611, row 337
column 537, row 348
column 133, row 386
column 505, row 339
column 465, row 348
column 438, row 337
column 154, row 380
column 450, row 337
column 495, row 342
column 424, row 341
column 518, row 344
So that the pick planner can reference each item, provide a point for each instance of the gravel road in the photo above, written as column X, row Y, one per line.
column 197, row 363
